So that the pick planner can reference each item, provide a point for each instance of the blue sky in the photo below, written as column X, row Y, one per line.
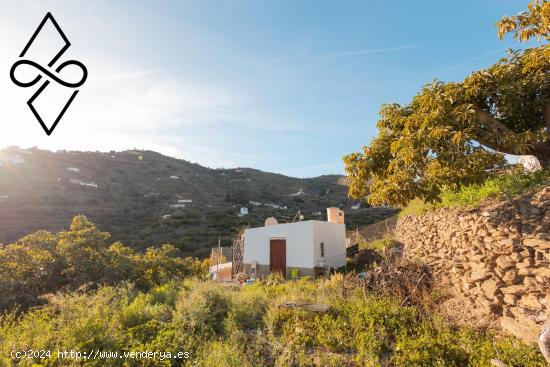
column 283, row 86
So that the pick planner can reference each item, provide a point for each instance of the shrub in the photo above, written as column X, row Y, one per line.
column 515, row 181
column 203, row 310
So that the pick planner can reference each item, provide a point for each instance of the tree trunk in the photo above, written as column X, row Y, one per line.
column 542, row 152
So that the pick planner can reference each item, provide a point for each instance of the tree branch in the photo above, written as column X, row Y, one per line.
column 546, row 117
column 495, row 126
column 486, row 119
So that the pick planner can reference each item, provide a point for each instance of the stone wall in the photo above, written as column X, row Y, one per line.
column 495, row 257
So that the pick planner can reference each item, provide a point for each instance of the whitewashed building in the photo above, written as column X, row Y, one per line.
column 301, row 246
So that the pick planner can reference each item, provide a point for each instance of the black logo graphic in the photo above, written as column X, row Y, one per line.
column 47, row 72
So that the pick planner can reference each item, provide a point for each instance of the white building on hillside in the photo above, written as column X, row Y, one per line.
column 301, row 246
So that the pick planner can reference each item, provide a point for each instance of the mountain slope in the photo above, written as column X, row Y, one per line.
column 130, row 194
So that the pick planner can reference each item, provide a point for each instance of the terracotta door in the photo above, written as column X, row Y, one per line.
column 277, row 256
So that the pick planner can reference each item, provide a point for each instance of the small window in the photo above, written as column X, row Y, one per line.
column 322, row 249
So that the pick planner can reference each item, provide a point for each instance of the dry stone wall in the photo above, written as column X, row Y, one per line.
column 495, row 257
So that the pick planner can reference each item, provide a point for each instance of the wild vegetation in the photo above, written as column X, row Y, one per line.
column 507, row 184
column 221, row 326
column 96, row 296
column 81, row 258
column 457, row 133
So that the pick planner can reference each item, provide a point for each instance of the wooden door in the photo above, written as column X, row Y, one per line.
column 277, row 256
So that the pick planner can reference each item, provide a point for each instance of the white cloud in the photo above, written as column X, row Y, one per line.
column 368, row 51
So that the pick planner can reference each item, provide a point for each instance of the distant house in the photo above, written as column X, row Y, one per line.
column 299, row 246
column 299, row 193
column 174, row 177
column 177, row 205
column 166, row 216
column 255, row 203
column 185, row 200
column 356, row 206
column 243, row 211
column 89, row 184
column 4, row 196
column 82, row 183
column 73, row 169
column 14, row 159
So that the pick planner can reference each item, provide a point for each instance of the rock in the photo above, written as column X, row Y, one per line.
column 510, row 277
column 498, row 363
column 526, row 272
column 513, row 289
column 543, row 272
column 537, row 242
column 507, row 242
column 524, row 328
column 510, row 299
column 530, row 302
column 504, row 262
column 490, row 287
column 530, row 282
column 480, row 273
column 527, row 263
column 516, row 256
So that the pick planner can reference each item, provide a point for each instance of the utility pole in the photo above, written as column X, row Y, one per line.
column 219, row 254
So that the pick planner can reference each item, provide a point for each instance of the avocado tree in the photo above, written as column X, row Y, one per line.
column 452, row 133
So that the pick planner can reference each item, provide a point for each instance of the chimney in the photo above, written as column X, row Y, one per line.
column 335, row 215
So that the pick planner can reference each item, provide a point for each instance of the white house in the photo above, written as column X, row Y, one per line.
column 73, row 169
column 177, row 205
column 243, row 211
column 301, row 246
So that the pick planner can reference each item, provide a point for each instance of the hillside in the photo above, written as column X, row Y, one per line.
column 130, row 194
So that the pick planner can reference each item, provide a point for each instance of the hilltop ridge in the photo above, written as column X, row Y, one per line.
column 145, row 198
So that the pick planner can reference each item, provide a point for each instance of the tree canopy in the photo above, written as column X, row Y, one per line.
column 45, row 262
column 452, row 133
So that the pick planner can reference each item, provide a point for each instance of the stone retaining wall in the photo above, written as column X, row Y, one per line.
column 496, row 257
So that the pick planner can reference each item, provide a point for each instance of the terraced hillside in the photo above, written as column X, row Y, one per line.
column 144, row 198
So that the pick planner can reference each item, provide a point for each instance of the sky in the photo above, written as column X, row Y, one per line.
column 282, row 86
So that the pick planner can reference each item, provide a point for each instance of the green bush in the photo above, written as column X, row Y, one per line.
column 203, row 310
column 508, row 184
column 222, row 326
